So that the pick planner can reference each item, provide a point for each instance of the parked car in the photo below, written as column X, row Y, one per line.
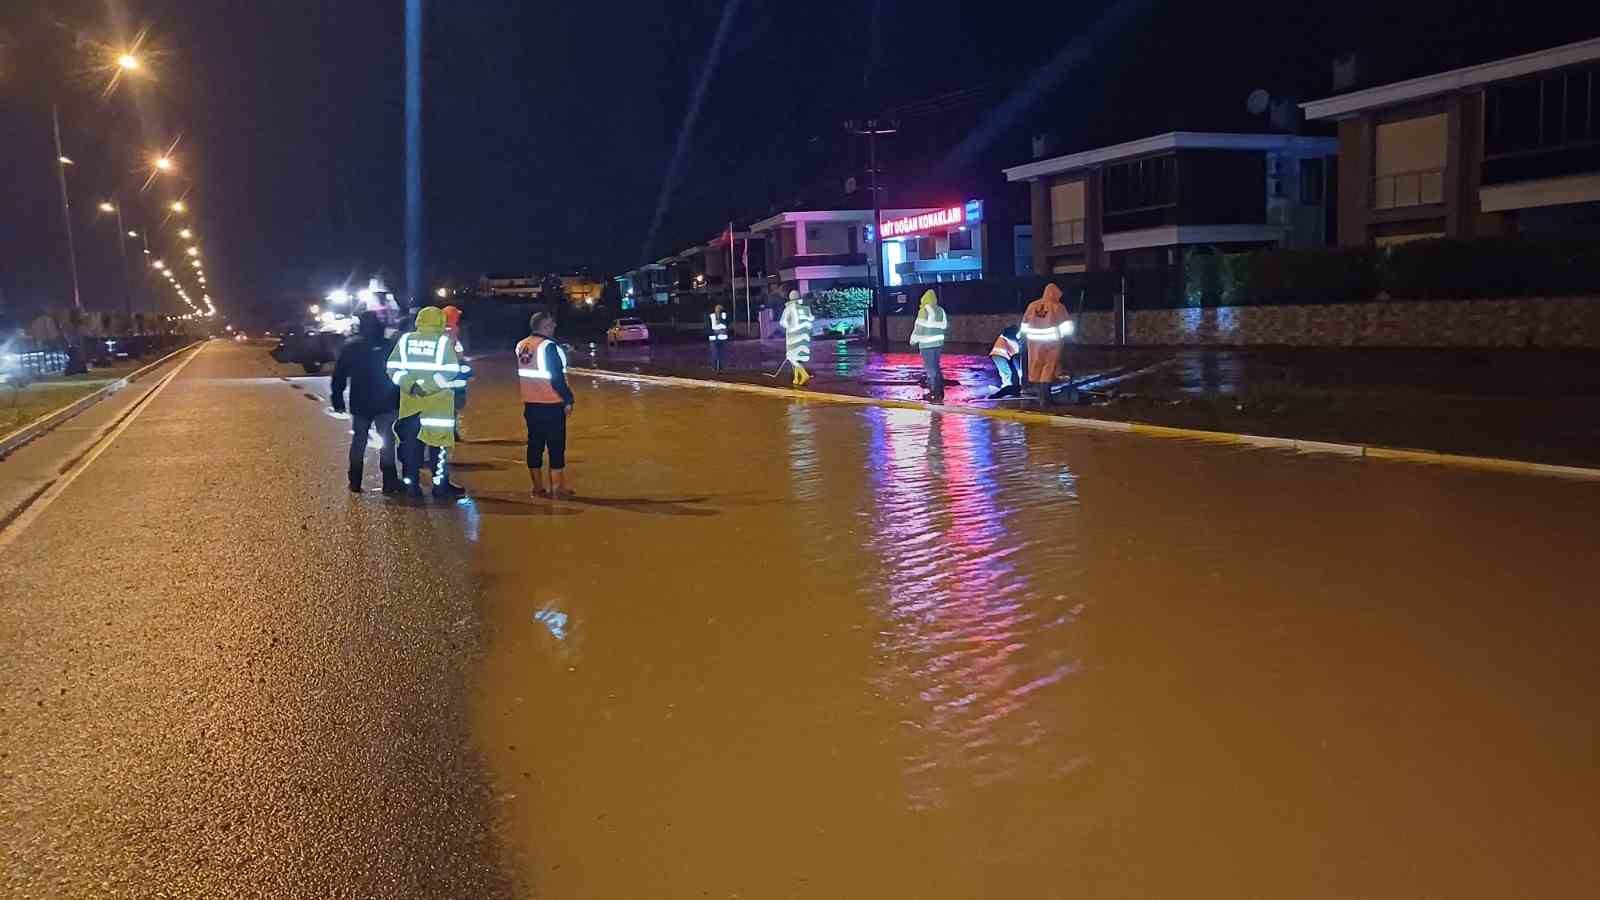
column 624, row 331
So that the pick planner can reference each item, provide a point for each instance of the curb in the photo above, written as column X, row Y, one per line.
column 49, row 423
column 1429, row 457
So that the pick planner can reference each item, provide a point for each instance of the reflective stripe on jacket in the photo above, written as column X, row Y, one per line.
column 424, row 366
column 536, row 355
column 797, row 321
column 1005, row 347
column 928, row 332
column 719, row 327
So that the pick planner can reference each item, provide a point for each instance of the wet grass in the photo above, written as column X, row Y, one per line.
column 21, row 406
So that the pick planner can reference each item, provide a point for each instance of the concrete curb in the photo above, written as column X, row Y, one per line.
column 50, row 422
column 1431, row 457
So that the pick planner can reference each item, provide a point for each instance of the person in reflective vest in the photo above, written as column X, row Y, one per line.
column 425, row 367
column 546, row 403
column 717, row 334
column 927, row 335
column 797, row 321
column 1007, row 348
column 1045, row 325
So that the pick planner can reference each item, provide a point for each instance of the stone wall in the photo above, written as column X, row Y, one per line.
column 1522, row 322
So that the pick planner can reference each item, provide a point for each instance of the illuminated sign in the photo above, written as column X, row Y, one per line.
column 944, row 218
column 969, row 214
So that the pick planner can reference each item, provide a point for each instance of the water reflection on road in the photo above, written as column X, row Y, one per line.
column 920, row 655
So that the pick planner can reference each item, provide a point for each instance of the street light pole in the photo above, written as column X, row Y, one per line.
column 122, row 247
column 66, row 205
column 875, row 273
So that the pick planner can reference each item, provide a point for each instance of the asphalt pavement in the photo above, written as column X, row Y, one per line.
column 222, row 676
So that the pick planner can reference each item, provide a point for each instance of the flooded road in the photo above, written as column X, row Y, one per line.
column 786, row 649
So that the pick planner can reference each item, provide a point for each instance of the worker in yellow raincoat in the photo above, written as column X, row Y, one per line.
column 1045, row 325
column 425, row 367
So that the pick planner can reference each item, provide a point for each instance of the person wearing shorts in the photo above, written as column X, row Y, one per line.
column 546, row 403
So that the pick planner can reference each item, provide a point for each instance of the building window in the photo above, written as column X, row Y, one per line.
column 1142, row 184
column 1312, row 185
column 1409, row 163
column 960, row 239
column 1066, row 213
column 1556, row 110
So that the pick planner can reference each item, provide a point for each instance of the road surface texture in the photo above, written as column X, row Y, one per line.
column 1536, row 405
column 789, row 649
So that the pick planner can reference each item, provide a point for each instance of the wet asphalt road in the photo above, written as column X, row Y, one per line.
column 221, row 678
column 785, row 649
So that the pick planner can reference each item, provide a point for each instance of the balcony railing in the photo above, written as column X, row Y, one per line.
column 1066, row 233
column 1403, row 189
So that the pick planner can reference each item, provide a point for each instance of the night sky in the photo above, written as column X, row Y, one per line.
column 550, row 127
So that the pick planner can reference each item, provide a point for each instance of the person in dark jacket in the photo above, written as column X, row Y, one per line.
column 374, row 400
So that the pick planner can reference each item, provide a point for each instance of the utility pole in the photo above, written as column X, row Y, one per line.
column 122, row 246
column 66, row 205
column 872, row 128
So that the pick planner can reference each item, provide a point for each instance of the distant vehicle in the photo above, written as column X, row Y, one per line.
column 310, row 349
column 240, row 336
column 625, row 331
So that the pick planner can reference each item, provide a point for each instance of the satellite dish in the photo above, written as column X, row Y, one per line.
column 1258, row 102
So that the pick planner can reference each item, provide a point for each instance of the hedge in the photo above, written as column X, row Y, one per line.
column 1426, row 269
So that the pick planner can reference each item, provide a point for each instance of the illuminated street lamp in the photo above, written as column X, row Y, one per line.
column 133, row 234
column 185, row 234
column 158, row 264
column 441, row 293
column 163, row 163
column 128, row 62
column 107, row 208
column 65, row 161
column 193, row 251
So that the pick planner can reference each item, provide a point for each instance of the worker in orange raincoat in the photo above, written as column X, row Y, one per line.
column 1045, row 325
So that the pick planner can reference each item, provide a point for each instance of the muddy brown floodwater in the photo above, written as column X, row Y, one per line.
column 807, row 650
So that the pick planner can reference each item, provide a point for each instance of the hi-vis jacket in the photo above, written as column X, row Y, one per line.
column 718, row 327
column 542, row 371
column 427, row 369
column 928, row 333
column 1006, row 345
column 797, row 321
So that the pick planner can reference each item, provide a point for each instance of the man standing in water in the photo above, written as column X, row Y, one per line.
column 717, row 334
column 546, row 403
column 797, row 321
column 1045, row 324
column 927, row 335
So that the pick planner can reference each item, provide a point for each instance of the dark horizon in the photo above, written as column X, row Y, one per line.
column 548, row 133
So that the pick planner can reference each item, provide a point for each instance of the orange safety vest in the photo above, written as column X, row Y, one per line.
column 1005, row 347
column 533, row 369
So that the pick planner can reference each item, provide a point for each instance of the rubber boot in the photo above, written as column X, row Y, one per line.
column 355, row 479
column 391, row 481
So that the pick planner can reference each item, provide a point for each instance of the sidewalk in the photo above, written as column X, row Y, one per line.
column 1536, row 405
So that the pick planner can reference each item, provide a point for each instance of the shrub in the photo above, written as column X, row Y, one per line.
column 1490, row 267
column 840, row 303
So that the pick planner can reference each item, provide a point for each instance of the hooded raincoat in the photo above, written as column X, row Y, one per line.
column 425, row 367
column 1045, row 324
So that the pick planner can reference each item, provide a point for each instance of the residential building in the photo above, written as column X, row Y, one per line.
column 1510, row 146
column 812, row 250
column 1139, row 205
column 511, row 286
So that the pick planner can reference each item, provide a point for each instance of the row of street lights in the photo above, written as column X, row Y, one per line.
column 161, row 164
